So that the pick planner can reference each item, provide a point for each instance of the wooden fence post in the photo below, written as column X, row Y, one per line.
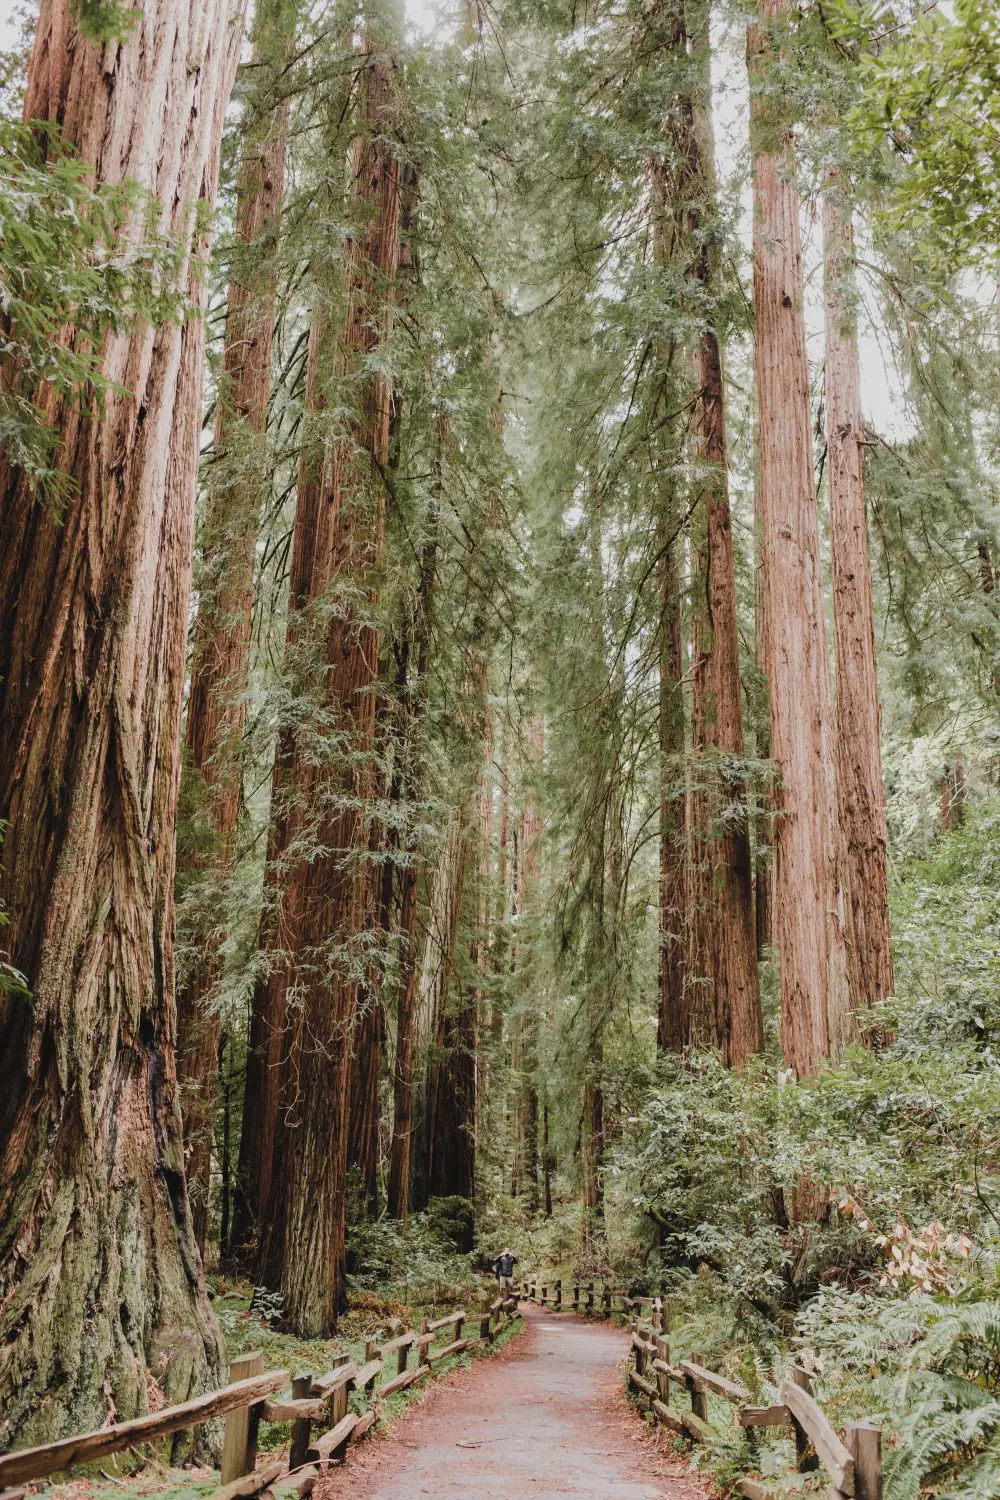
column 338, row 1403
column 301, row 1427
column 239, row 1446
column 576, row 1296
column 558, row 1292
column 699, row 1398
column 590, row 1296
column 662, row 1378
column 606, row 1302
column 423, row 1357
column 805, row 1459
column 864, row 1442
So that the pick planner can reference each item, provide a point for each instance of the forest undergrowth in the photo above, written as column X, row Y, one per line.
column 499, row 681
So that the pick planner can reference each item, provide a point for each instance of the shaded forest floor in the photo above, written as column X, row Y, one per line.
column 248, row 1327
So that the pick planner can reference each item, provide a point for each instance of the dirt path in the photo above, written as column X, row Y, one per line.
column 545, row 1418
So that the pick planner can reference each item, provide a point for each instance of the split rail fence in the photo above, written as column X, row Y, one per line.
column 316, row 1406
column 853, row 1462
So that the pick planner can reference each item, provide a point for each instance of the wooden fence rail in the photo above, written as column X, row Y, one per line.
column 303, row 1400
column 852, row 1462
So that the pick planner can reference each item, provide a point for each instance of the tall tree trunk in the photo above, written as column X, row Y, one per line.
column 237, row 492
column 673, row 1026
column 100, row 1277
column 437, row 980
column 292, row 829
column 225, row 1185
column 547, row 1161
column 331, row 893
column 725, row 1003
column 859, row 759
column 412, row 681
column 293, row 814
column 810, row 914
column 527, row 875
column 764, row 871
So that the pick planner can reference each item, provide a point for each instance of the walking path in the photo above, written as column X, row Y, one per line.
column 546, row 1417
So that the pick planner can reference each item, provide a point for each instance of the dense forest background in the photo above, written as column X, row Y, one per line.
column 499, row 668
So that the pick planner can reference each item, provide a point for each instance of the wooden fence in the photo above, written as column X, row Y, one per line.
column 852, row 1462
column 306, row 1401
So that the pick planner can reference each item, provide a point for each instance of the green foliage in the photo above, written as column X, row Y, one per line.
column 78, row 261
column 933, row 89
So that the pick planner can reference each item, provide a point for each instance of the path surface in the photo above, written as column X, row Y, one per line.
column 546, row 1417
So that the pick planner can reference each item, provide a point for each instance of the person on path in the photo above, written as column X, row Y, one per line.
column 504, row 1267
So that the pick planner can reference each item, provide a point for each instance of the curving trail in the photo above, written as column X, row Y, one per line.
column 545, row 1418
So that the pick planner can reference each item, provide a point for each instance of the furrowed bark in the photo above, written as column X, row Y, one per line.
column 810, row 912
column 725, row 999
column 293, row 817
column 859, row 759
column 331, row 893
column 100, row 1277
column 764, row 870
column 673, row 1032
column 236, row 494
column 413, row 685
column 527, row 875
column 436, row 978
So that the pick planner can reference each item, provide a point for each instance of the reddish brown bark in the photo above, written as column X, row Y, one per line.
column 674, row 1023
column 294, row 813
column 764, row 871
column 328, row 897
column 292, row 827
column 527, row 895
column 810, row 912
column 952, row 789
column 402, row 1074
column 100, row 1277
column 859, row 758
column 722, row 967
column 221, row 657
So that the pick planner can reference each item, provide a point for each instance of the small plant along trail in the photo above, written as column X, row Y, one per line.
column 544, row 1418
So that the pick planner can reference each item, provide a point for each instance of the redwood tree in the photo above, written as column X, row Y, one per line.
column 237, row 490
column 327, row 898
column 100, row 1277
column 859, row 759
column 723, row 967
column 809, row 906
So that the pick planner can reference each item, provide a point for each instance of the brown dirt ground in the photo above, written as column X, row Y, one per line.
column 546, row 1417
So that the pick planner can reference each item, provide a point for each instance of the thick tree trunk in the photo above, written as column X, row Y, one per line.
column 413, row 686
column 810, row 913
column 292, row 830
column 725, row 1000
column 548, row 1163
column 764, row 871
column 527, row 882
column 859, row 759
column 330, row 894
column 100, row 1277
column 294, row 813
column 673, row 1028
column 402, row 1073
column 437, row 985
column 725, row 994
column 236, row 495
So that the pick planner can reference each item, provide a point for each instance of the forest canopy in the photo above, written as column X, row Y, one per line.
column 499, row 671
